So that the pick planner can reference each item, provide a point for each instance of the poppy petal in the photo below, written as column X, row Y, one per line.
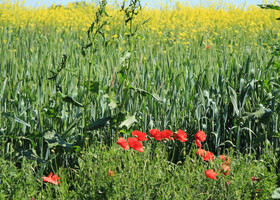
column 208, row 156
column 225, row 169
column 135, row 144
column 155, row 133
column 211, row 174
column 200, row 135
column 166, row 134
column 225, row 159
column 140, row 135
column 201, row 152
column 111, row 173
column 51, row 179
column 181, row 135
column 255, row 179
column 123, row 143
column 198, row 143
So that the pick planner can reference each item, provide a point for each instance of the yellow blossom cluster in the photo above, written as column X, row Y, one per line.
column 177, row 23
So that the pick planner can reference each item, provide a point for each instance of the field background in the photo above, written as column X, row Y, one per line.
column 214, row 69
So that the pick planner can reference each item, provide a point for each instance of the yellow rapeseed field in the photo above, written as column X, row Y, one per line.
column 181, row 23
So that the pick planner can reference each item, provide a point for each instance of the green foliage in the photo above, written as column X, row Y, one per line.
column 147, row 175
column 269, row 6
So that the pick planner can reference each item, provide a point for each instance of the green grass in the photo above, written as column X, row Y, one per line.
column 147, row 175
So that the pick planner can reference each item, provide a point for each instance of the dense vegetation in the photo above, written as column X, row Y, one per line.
column 76, row 81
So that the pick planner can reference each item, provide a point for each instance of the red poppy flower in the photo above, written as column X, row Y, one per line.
column 155, row 133
column 207, row 47
column 121, row 141
column 111, row 173
column 200, row 135
column 166, row 134
column 225, row 169
column 201, row 152
column 227, row 183
column 225, row 159
column 51, row 179
column 255, row 179
column 135, row 144
column 198, row 143
column 258, row 190
column 211, row 174
column 140, row 135
column 181, row 135
column 206, row 155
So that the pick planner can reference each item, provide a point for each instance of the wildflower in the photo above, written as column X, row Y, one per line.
column 258, row 190
column 206, row 155
column 111, row 173
column 155, row 133
column 255, row 179
column 121, row 141
column 198, row 143
column 166, row 134
column 225, row 169
column 181, row 135
column 227, row 183
column 140, row 135
column 199, row 137
column 51, row 179
column 135, row 144
column 207, row 47
column 201, row 152
column 225, row 159
column 211, row 174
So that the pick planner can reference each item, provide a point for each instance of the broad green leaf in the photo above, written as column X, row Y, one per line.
column 262, row 114
column 276, row 193
column 30, row 154
column 71, row 100
column 129, row 121
column 113, row 104
column 53, row 139
column 98, row 123
column 269, row 6
column 68, row 99
column 145, row 93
